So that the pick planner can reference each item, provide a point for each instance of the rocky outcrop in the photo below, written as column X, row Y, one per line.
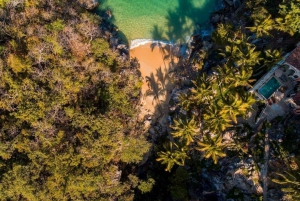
column 89, row 4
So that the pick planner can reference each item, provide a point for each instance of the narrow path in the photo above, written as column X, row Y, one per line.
column 264, row 170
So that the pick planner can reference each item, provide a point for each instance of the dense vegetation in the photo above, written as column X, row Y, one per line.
column 217, row 103
column 67, row 107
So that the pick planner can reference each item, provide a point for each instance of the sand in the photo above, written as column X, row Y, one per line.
column 156, row 63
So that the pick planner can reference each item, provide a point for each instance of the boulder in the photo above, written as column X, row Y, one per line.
column 88, row 4
column 215, row 18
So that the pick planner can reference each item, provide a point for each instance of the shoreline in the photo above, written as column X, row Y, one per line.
column 139, row 42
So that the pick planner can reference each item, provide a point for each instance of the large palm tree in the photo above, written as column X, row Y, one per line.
column 221, row 34
column 203, row 92
column 247, row 56
column 233, row 106
column 185, row 130
column 242, row 77
column 214, row 120
column 212, row 148
column 225, row 75
column 262, row 26
column 289, row 20
column 173, row 154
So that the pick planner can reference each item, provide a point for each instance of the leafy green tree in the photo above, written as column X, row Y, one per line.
column 212, row 148
column 67, row 128
column 185, row 130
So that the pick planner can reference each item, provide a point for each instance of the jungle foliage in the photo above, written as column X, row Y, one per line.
column 66, row 112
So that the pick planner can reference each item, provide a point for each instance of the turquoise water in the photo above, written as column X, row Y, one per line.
column 269, row 88
column 158, row 19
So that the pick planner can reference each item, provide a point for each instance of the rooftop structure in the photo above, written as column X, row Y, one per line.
column 293, row 60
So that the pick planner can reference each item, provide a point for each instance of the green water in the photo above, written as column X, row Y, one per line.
column 158, row 19
column 269, row 88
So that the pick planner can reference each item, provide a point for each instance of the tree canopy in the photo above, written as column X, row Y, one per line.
column 65, row 109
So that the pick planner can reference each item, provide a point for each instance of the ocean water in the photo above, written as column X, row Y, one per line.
column 172, row 20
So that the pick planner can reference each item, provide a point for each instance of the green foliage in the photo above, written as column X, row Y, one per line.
column 100, row 48
column 185, row 130
column 57, row 25
column 66, row 129
column 17, row 64
column 212, row 148
column 133, row 149
column 290, row 184
column 289, row 21
column 146, row 186
column 172, row 154
column 215, row 120
column 2, row 48
column 3, row 2
column 263, row 22
column 178, row 188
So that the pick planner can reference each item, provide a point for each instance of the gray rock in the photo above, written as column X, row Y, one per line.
column 215, row 18
column 121, row 46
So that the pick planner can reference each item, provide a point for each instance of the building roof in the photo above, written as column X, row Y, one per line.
column 294, row 58
column 296, row 98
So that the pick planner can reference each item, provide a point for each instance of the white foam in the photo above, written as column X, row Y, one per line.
column 138, row 42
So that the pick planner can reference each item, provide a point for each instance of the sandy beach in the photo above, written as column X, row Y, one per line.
column 156, row 62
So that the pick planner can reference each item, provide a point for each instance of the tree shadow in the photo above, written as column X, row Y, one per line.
column 158, row 86
column 183, row 21
column 108, row 22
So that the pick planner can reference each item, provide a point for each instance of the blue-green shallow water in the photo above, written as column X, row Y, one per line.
column 269, row 88
column 172, row 20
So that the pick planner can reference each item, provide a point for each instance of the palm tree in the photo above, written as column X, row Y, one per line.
column 202, row 93
column 272, row 57
column 172, row 155
column 292, row 185
column 247, row 98
column 214, row 120
column 233, row 106
column 289, row 20
column 247, row 56
column 221, row 34
column 212, row 148
column 185, row 130
column 225, row 75
column 184, row 101
column 242, row 77
column 229, row 52
column 262, row 26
